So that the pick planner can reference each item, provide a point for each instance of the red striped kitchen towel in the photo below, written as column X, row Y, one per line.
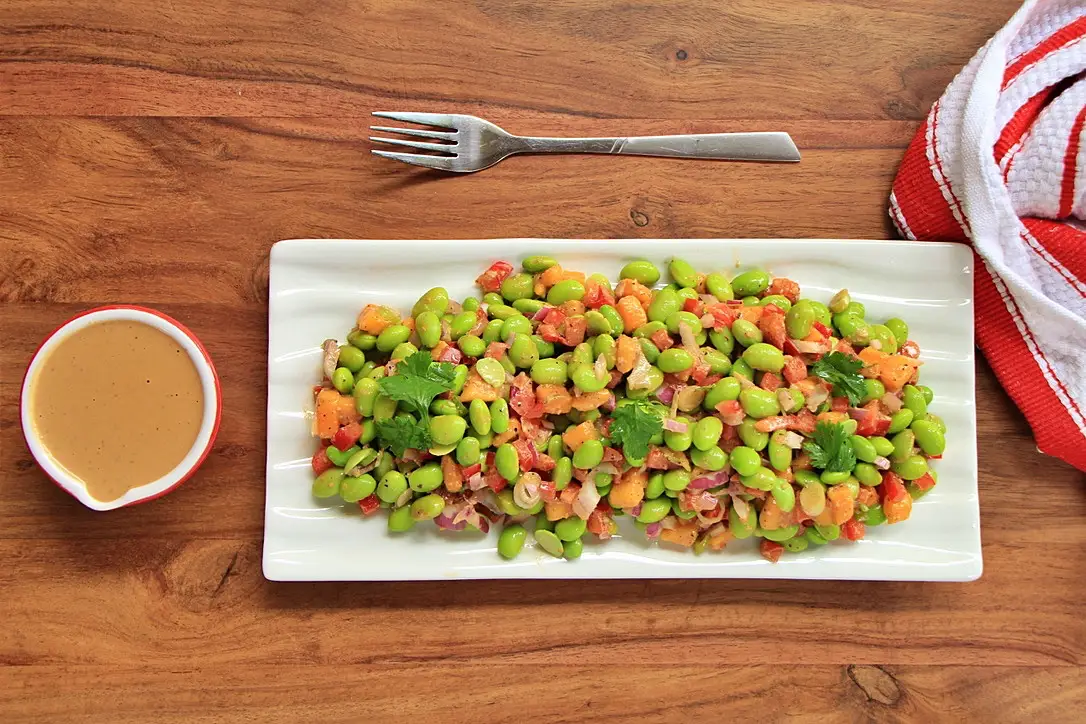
column 1000, row 163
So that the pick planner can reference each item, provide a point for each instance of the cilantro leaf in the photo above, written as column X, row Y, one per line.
column 832, row 448
column 417, row 381
column 403, row 432
column 633, row 425
column 843, row 372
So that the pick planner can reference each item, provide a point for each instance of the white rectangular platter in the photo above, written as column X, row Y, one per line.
column 319, row 286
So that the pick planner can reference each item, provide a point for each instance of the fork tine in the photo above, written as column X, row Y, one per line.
column 416, row 132
column 441, row 163
column 443, row 147
column 442, row 120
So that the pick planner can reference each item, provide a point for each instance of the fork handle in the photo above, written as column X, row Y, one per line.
column 759, row 146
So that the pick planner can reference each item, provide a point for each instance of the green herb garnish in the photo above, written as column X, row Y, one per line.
column 403, row 432
column 417, row 381
column 633, row 425
column 843, row 372
column 832, row 448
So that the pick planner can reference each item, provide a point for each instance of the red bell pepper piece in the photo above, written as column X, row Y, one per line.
column 369, row 505
column 347, row 436
column 853, row 529
column 321, row 462
column 491, row 280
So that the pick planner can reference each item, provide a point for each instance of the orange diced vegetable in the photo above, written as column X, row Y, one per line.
column 896, row 370
column 575, row 436
column 626, row 352
column 346, row 411
column 510, row 433
column 450, row 473
column 771, row 517
column 374, row 318
column 551, row 276
column 590, row 400
column 840, row 503
column 476, row 388
column 684, row 534
column 572, row 307
column 629, row 491
column 327, row 413
column 555, row 399
column 632, row 313
column 635, row 289
column 558, row 509
column 721, row 539
column 751, row 314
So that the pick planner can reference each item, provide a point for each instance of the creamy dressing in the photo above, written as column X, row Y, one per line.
column 118, row 404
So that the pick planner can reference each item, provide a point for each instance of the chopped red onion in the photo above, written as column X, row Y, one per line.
column 586, row 500
column 675, row 426
column 538, row 316
column 792, row 440
column 636, row 510
column 608, row 406
column 892, row 402
column 881, row 463
column 665, row 394
column 652, row 530
column 446, row 523
column 805, row 347
column 858, row 414
column 331, row 357
column 476, row 482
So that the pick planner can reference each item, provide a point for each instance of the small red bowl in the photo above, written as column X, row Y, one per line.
column 209, row 425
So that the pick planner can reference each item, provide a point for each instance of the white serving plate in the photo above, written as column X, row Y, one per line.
column 318, row 287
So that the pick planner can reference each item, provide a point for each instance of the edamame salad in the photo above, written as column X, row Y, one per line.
column 705, row 408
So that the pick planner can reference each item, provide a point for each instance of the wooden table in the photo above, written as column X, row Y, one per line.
column 152, row 152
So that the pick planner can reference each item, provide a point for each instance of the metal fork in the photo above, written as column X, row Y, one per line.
column 471, row 144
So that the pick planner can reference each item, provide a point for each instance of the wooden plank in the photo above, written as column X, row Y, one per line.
column 782, row 59
column 572, row 692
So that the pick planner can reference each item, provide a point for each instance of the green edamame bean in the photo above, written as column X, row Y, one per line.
column 719, row 363
column 680, row 441
column 849, row 324
column 882, row 446
column 573, row 549
column 829, row 532
column 745, row 460
column 343, row 380
column 799, row 320
column 676, row 480
column 612, row 316
column 584, row 377
column 779, row 535
column 549, row 372
column 664, row 304
column 911, row 468
column 682, row 272
column 400, row 520
column 470, row 304
column 652, row 354
column 762, row 479
column 746, row 333
column 778, row 300
column 913, row 399
column 814, row 537
column 707, row 432
column 445, row 407
column 874, row 390
column 900, row 420
column 545, row 348
column 764, row 357
column 929, row 437
column 740, row 528
column 899, row 329
column 886, row 341
column 927, row 392
column 569, row 529
column 597, row 323
column 582, row 354
column 479, row 414
column 523, row 352
column 832, row 477
column 493, row 331
column 867, row 474
column 759, row 403
column 690, row 319
column 742, row 369
column 674, row 359
column 903, row 445
column 642, row 271
column 779, row 454
column 328, row 483
column 723, row 390
column 460, row 376
column 468, row 451
column 425, row 478
column 717, row 285
column 588, row 455
column 518, row 325
column 564, row 291
column 654, row 510
column 428, row 327
column 937, row 421
column 491, row 371
column 648, row 329
column 460, row 325
column 393, row 484
column 856, row 309
column 507, row 462
column 354, row 489
column 796, row 545
column 392, row 336
column 435, row 300
column 563, row 473
column 511, row 541
column 873, row 516
column 427, row 507
column 361, row 340
column 383, row 408
column 537, row 264
column 471, row 345
column 864, row 449
column 499, row 416
column 447, row 429
column 365, row 394
column 549, row 542
column 723, row 340
column 750, row 283
column 806, row 477
column 528, row 307
column 517, row 286
column 752, row 437
column 604, row 345
column 655, row 487
column 403, row 351
column 352, row 358
column 369, row 431
column 711, row 459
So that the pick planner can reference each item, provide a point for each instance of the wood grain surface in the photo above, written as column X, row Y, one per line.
column 152, row 152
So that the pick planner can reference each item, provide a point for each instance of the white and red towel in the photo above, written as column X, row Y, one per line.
column 1000, row 163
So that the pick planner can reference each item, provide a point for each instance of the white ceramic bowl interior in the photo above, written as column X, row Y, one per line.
column 208, row 425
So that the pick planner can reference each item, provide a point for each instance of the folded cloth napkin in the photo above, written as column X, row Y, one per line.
column 1000, row 163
